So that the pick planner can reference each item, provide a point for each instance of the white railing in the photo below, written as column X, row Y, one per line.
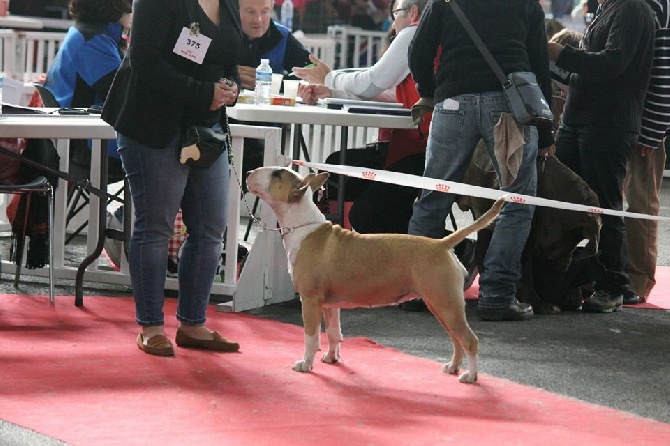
column 320, row 45
column 345, row 46
column 39, row 51
column 27, row 55
column 356, row 47
column 7, row 52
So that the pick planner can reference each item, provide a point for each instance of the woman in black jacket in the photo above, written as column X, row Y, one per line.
column 180, row 70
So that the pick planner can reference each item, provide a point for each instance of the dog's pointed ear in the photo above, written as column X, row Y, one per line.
column 297, row 192
column 317, row 181
column 313, row 181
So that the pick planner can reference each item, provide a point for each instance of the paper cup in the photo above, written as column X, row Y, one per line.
column 276, row 82
column 291, row 88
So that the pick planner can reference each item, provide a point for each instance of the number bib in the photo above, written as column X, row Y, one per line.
column 192, row 46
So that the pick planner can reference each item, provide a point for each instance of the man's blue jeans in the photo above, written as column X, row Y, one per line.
column 454, row 134
column 160, row 185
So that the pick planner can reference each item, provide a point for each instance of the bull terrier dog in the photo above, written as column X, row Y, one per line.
column 332, row 268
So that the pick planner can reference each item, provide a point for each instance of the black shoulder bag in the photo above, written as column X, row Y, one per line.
column 202, row 145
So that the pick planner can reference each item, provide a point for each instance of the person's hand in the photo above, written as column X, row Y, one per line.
column 311, row 93
column 547, row 151
column 644, row 150
column 225, row 93
column 247, row 77
column 421, row 108
column 315, row 74
column 554, row 50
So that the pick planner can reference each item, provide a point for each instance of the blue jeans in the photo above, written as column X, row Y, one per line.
column 454, row 134
column 160, row 185
column 599, row 155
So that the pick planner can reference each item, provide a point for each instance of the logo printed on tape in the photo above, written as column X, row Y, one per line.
column 517, row 199
column 595, row 210
column 442, row 187
column 369, row 175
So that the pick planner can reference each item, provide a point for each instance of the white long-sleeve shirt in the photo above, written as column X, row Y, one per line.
column 377, row 82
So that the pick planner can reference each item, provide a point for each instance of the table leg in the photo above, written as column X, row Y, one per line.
column 344, row 136
column 297, row 136
column 102, row 229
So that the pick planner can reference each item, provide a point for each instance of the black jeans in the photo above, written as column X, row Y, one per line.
column 599, row 155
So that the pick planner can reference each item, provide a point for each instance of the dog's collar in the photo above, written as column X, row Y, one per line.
column 288, row 229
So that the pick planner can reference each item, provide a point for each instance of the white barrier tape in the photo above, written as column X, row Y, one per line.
column 405, row 179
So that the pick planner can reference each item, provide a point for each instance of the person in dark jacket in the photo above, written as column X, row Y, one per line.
column 263, row 38
column 602, row 120
column 469, row 106
column 180, row 70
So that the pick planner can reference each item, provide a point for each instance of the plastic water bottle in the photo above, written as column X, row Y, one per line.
column 263, row 82
column 287, row 14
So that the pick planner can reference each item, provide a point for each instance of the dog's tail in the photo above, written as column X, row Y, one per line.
column 455, row 237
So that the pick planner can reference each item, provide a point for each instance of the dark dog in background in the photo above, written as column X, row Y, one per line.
column 554, row 266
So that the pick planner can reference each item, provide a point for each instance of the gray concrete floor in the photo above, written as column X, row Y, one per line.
column 617, row 360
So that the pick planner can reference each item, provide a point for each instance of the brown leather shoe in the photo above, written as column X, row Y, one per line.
column 219, row 343
column 158, row 345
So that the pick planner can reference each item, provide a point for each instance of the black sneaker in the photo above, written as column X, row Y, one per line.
column 602, row 301
column 514, row 311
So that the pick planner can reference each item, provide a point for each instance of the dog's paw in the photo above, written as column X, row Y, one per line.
column 330, row 358
column 302, row 366
column 467, row 377
column 450, row 368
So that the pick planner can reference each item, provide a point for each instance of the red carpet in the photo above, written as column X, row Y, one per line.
column 76, row 375
column 659, row 299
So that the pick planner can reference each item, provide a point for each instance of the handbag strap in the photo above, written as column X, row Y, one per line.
column 478, row 42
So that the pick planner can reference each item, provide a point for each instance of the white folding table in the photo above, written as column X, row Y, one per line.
column 301, row 114
column 258, row 281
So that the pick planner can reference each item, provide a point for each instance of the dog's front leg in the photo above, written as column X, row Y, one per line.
column 334, row 332
column 311, row 320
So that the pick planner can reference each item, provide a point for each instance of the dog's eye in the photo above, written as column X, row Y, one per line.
column 277, row 173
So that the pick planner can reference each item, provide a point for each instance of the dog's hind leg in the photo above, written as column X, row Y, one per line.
column 311, row 320
column 464, row 341
column 468, row 340
column 454, row 365
column 331, row 317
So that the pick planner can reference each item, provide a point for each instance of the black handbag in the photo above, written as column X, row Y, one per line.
column 202, row 146
column 524, row 96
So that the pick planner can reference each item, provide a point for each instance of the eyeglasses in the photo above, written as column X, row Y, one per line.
column 395, row 12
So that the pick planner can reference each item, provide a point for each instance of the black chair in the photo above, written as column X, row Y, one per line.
column 48, row 99
column 80, row 164
column 38, row 186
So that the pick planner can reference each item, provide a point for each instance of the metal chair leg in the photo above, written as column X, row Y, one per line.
column 20, row 248
column 50, row 199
